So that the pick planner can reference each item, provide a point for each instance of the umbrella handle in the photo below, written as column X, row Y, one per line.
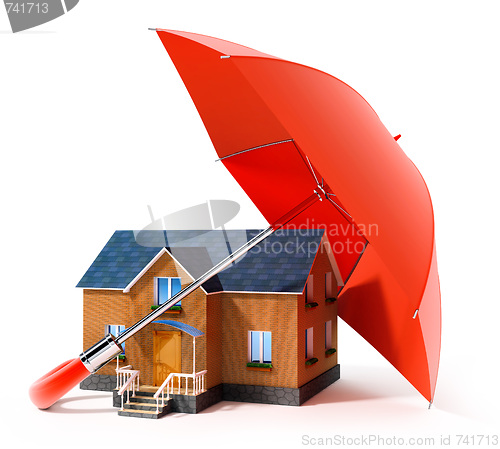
column 57, row 382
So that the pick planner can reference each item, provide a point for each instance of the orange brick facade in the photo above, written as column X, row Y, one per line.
column 275, row 313
column 102, row 307
column 316, row 318
column 225, row 318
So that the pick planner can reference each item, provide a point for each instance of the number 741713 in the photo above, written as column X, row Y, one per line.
column 27, row 8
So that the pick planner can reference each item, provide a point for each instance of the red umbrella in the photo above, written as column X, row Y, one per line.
column 284, row 129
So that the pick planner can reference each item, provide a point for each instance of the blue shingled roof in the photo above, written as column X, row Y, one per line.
column 281, row 263
column 119, row 262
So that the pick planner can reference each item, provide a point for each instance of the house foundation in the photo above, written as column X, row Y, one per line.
column 99, row 382
column 230, row 392
column 279, row 395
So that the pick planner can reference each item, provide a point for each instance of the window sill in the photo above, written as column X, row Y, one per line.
column 259, row 367
column 330, row 352
column 311, row 305
column 330, row 300
column 173, row 309
column 311, row 361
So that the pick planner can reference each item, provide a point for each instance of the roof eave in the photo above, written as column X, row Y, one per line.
column 144, row 270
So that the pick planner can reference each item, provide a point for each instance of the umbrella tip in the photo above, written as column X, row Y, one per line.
column 152, row 29
column 396, row 138
column 430, row 403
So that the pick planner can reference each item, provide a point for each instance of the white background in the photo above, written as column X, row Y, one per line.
column 95, row 124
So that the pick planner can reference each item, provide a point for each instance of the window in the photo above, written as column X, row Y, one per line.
column 328, row 285
column 309, row 343
column 328, row 334
column 166, row 288
column 309, row 290
column 259, row 347
column 115, row 330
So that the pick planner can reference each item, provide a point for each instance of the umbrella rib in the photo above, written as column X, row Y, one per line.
column 344, row 213
column 254, row 148
column 310, row 167
column 321, row 187
column 312, row 171
column 337, row 206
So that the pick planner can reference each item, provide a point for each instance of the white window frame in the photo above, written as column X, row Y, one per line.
column 309, row 343
column 169, row 288
column 261, row 347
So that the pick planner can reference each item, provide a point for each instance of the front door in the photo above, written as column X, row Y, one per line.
column 167, row 355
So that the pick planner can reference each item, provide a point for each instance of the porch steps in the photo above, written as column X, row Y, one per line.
column 144, row 406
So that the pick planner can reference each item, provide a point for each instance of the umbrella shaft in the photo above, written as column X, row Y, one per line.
column 218, row 268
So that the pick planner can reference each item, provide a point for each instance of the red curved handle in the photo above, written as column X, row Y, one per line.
column 56, row 383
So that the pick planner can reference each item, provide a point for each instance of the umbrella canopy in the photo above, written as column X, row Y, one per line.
column 283, row 130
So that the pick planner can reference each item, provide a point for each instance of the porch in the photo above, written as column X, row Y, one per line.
column 153, row 401
column 142, row 403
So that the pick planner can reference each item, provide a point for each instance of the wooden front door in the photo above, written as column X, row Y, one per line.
column 167, row 355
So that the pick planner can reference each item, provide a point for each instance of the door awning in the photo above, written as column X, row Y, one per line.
column 182, row 326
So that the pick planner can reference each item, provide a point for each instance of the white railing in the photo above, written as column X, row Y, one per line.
column 198, row 382
column 126, row 380
column 121, row 376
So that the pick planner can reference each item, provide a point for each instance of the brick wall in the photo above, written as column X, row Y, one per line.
column 243, row 312
column 213, row 339
column 193, row 313
column 103, row 307
column 316, row 318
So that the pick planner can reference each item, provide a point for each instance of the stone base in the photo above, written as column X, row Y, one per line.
column 228, row 392
column 99, row 382
column 279, row 395
column 318, row 384
column 261, row 395
column 117, row 400
column 195, row 404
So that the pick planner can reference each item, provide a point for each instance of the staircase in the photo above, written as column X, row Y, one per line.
column 145, row 401
column 143, row 405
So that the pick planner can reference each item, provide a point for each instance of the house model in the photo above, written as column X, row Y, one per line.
column 263, row 330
